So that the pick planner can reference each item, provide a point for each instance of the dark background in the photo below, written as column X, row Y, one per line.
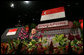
column 31, row 13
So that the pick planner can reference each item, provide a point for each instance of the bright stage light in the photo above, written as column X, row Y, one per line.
column 12, row 5
column 26, row 2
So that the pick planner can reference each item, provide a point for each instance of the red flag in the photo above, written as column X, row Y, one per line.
column 53, row 14
column 12, row 31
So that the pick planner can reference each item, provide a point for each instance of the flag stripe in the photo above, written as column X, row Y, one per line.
column 51, row 11
column 53, row 16
column 11, row 33
column 12, row 30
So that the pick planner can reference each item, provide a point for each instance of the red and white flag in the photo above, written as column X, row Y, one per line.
column 53, row 14
column 11, row 32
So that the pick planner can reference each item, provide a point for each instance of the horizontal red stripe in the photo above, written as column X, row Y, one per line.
column 51, row 11
column 12, row 30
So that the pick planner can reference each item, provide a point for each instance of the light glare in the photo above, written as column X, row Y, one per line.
column 26, row 2
column 12, row 5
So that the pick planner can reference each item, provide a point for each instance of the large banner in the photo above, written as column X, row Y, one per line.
column 53, row 14
column 53, row 24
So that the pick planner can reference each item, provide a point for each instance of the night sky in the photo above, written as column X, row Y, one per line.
column 31, row 12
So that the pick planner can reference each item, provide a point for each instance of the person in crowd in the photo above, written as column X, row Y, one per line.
column 33, row 34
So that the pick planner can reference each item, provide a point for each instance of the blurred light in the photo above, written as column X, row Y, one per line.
column 76, row 3
column 26, row 2
column 68, row 5
column 12, row 5
column 33, row 19
column 19, row 21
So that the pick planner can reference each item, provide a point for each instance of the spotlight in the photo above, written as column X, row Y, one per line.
column 12, row 5
column 26, row 2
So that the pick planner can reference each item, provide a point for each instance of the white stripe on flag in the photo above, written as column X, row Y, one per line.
column 53, row 16
column 11, row 33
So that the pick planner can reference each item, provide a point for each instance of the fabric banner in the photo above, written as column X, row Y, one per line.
column 11, row 32
column 53, row 14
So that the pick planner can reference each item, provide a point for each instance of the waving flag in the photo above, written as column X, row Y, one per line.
column 53, row 14
column 11, row 32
